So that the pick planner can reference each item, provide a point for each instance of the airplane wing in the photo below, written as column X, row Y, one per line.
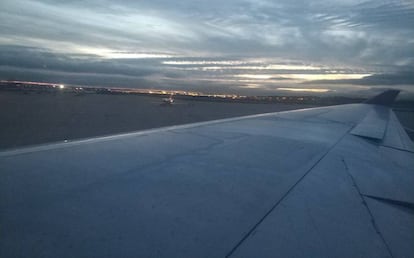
column 325, row 182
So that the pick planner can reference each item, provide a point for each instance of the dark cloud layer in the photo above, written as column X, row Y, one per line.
column 35, row 58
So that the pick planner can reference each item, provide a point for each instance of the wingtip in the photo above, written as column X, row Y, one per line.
column 386, row 98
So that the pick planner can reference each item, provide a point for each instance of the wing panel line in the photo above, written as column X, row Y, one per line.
column 240, row 242
column 374, row 224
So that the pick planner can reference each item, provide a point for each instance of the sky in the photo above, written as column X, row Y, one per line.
column 246, row 47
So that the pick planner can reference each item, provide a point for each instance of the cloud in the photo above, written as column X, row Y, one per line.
column 35, row 58
column 400, row 78
column 213, row 40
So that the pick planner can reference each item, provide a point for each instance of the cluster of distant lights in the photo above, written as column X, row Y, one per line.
column 60, row 86
column 164, row 92
column 53, row 85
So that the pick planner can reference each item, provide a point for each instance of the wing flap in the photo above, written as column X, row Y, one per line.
column 396, row 224
column 374, row 124
column 396, row 136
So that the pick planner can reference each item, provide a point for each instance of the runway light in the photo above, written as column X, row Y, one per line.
column 61, row 86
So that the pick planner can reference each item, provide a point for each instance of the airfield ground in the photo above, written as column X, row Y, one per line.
column 31, row 119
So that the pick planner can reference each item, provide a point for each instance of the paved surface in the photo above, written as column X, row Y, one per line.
column 41, row 118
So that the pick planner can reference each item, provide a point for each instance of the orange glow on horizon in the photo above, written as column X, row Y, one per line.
column 304, row 90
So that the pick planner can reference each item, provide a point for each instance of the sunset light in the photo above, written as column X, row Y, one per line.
column 304, row 90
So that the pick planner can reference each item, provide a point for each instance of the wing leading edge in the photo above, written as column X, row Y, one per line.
column 314, row 182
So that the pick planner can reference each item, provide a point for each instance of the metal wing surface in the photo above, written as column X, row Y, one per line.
column 325, row 182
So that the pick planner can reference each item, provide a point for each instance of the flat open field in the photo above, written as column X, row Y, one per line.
column 29, row 119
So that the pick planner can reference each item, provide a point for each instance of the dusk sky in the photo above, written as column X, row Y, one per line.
column 253, row 47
